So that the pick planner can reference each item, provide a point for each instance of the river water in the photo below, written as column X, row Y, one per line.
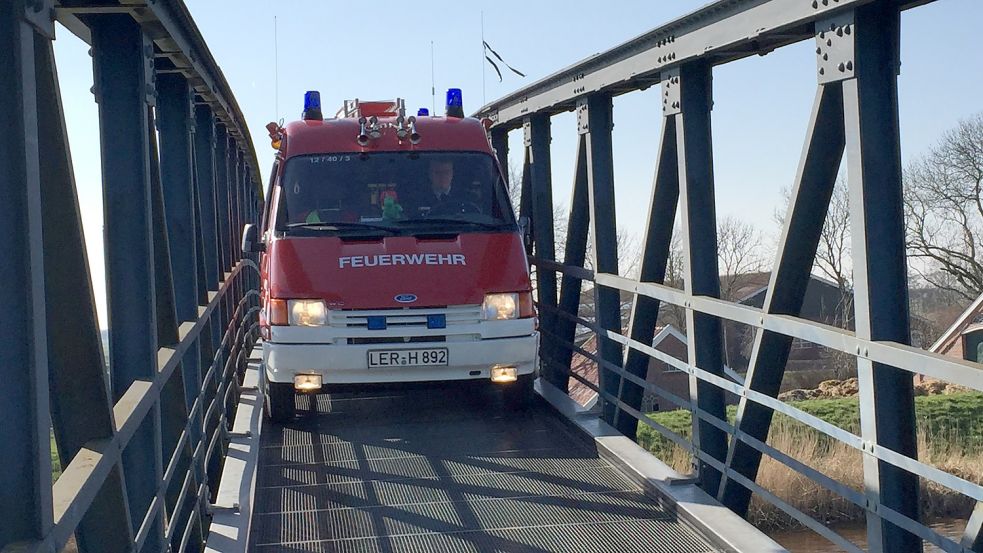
column 807, row 541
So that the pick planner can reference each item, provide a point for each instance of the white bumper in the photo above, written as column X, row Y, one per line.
column 348, row 363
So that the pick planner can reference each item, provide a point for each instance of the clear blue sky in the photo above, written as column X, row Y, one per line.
column 761, row 104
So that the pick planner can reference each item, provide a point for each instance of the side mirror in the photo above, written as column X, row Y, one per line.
column 525, row 226
column 250, row 243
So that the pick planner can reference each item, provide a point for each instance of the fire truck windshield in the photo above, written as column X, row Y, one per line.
column 408, row 192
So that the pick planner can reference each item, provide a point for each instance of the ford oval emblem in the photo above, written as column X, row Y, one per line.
column 405, row 298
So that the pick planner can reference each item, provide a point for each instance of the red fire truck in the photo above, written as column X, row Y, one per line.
column 390, row 254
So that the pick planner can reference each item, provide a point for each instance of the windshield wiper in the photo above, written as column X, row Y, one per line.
column 449, row 220
column 340, row 225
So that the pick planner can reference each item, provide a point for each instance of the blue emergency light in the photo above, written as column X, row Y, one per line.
column 455, row 103
column 424, row 112
column 312, row 106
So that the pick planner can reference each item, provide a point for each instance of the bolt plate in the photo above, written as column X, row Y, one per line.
column 835, row 48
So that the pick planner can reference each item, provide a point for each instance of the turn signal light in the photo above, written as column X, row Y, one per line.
column 278, row 312
column 526, row 307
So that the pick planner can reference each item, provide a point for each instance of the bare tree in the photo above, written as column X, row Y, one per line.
column 739, row 255
column 944, row 212
column 833, row 253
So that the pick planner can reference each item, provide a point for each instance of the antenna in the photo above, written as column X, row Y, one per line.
column 276, row 73
column 484, row 101
column 433, row 86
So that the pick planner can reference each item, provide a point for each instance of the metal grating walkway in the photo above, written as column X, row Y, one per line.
column 430, row 470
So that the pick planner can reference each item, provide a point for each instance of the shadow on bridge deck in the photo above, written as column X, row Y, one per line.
column 447, row 469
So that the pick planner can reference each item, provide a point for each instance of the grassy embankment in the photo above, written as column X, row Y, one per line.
column 950, row 437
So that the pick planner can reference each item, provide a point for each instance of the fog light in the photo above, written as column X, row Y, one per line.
column 502, row 374
column 307, row 383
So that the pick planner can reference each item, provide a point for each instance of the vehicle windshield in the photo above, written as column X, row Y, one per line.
column 405, row 192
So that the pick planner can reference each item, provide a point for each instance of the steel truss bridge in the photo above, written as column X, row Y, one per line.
column 152, row 451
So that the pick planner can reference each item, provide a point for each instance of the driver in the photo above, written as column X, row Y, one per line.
column 441, row 177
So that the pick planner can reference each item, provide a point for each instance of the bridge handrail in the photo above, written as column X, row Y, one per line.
column 900, row 355
column 83, row 477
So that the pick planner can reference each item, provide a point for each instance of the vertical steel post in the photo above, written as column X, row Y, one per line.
column 25, row 481
column 873, row 146
column 525, row 196
column 221, row 153
column 500, row 143
column 574, row 254
column 205, row 170
column 790, row 277
column 81, row 410
column 177, row 231
column 537, row 129
column 123, row 66
column 655, row 258
column 595, row 122
column 699, row 220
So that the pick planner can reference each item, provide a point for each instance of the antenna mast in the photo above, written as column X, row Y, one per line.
column 276, row 74
column 433, row 85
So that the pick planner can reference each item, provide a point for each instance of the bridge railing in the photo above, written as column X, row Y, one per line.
column 855, row 113
column 141, row 445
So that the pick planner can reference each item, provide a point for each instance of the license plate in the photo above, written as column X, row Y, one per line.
column 407, row 358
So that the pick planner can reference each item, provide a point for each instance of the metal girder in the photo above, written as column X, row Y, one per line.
column 525, row 196
column 221, row 198
column 802, row 230
column 873, row 146
column 205, row 178
column 25, row 481
column 121, row 55
column 574, row 254
column 80, row 403
column 699, row 220
column 717, row 33
column 537, row 130
column 655, row 257
column 594, row 114
column 973, row 536
column 171, row 27
column 500, row 143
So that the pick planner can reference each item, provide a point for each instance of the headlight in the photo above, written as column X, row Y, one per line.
column 307, row 312
column 500, row 306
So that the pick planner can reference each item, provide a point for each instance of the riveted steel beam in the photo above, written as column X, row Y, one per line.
column 574, row 255
column 873, row 146
column 80, row 405
column 701, row 274
column 655, row 257
column 25, row 481
column 596, row 125
column 123, row 65
column 720, row 32
column 808, row 206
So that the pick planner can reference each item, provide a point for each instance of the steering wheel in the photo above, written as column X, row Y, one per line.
column 456, row 207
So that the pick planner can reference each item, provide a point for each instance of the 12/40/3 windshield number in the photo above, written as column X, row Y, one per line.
column 329, row 159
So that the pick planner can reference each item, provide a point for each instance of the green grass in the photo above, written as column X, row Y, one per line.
column 941, row 417
column 55, row 462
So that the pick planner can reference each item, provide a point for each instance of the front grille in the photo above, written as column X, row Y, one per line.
column 406, row 318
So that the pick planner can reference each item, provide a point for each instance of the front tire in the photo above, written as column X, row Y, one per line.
column 518, row 395
column 280, row 402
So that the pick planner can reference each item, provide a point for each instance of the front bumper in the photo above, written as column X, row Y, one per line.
column 348, row 364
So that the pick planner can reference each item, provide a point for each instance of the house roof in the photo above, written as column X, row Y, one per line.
column 586, row 367
column 950, row 336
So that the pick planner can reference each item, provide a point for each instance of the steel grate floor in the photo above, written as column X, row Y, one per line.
column 446, row 469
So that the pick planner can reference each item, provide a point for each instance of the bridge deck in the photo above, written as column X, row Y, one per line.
column 446, row 470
